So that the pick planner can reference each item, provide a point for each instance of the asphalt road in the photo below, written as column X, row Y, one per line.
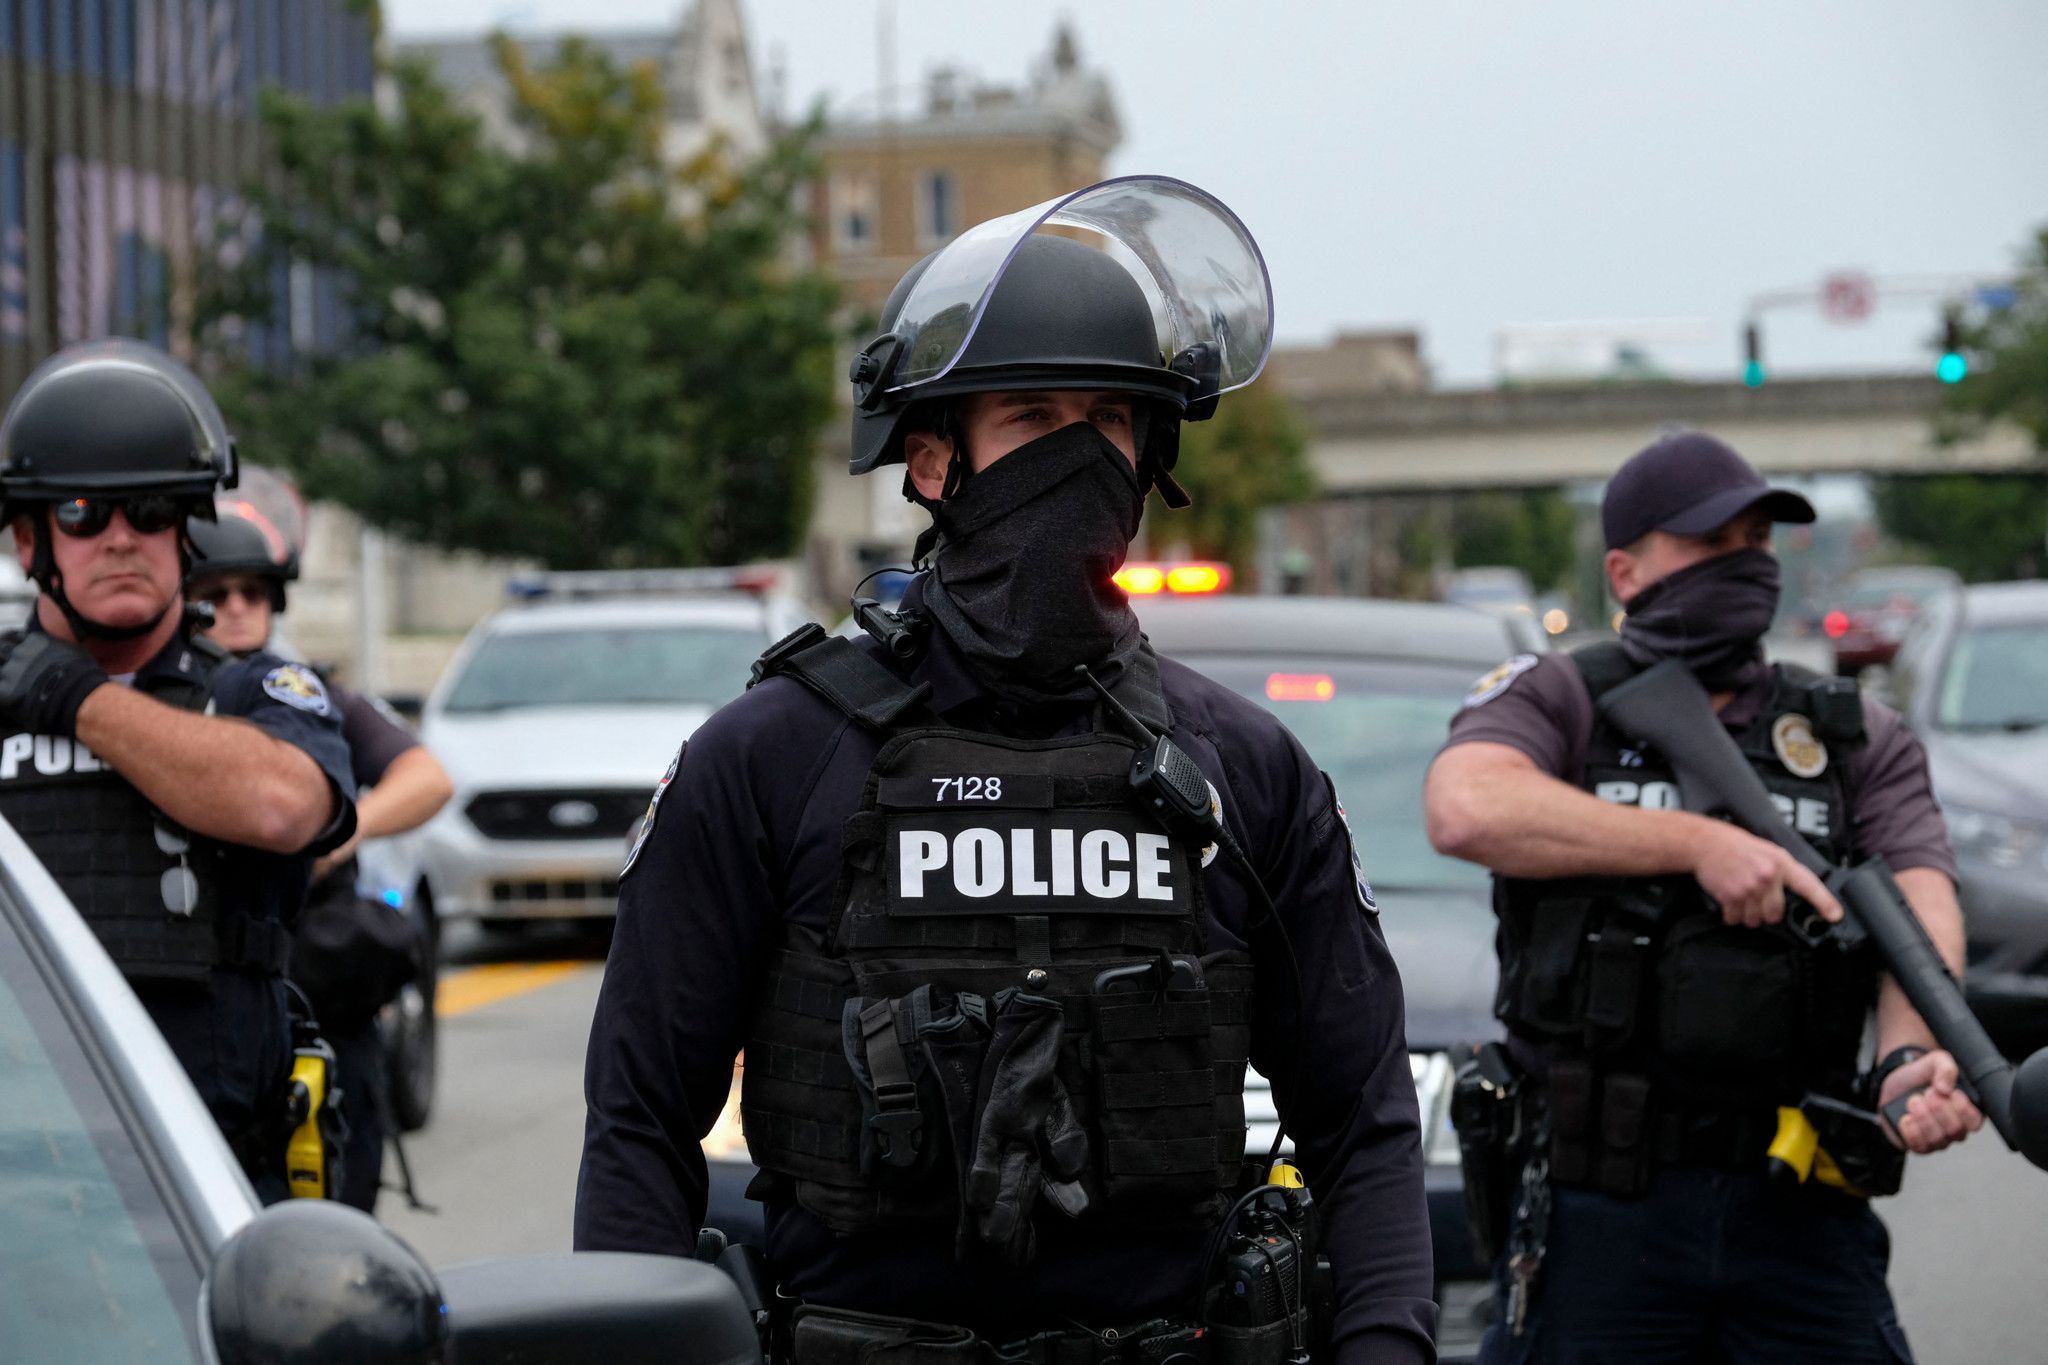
column 1970, row 1232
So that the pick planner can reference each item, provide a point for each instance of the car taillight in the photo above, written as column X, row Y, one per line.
column 1193, row 578
column 1835, row 624
column 1300, row 686
column 1140, row 580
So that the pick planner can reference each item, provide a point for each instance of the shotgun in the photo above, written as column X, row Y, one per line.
column 1666, row 709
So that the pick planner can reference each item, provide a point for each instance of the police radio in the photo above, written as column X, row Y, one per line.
column 1171, row 785
column 1168, row 782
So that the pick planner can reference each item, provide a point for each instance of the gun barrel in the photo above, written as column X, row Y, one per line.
column 1665, row 708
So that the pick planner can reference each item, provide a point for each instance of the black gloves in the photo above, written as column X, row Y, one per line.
column 43, row 681
column 1026, row 1139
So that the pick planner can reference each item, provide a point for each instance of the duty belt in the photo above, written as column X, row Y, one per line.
column 834, row 1336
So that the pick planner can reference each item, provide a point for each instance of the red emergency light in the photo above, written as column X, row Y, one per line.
column 1300, row 687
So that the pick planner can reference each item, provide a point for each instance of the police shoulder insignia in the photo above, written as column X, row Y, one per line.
column 1802, row 754
column 297, row 685
column 1499, row 680
column 1366, row 900
column 653, row 804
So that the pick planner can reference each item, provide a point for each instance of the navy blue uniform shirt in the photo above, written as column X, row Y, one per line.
column 234, row 1036
column 746, row 837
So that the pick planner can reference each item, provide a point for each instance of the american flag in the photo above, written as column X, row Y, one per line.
column 13, row 245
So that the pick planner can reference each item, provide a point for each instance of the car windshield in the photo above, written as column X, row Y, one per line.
column 1869, row 594
column 662, row 665
column 91, row 1265
column 1374, row 728
column 1997, row 679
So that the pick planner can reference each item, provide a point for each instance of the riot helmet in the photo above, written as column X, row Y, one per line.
column 258, row 529
column 1142, row 284
column 109, row 419
column 238, row 541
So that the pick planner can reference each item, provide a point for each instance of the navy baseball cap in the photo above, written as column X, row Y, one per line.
column 1688, row 483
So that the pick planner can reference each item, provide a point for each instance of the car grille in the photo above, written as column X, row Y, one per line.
column 593, row 813
column 537, row 892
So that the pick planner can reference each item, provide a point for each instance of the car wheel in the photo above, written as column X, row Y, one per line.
column 411, row 1040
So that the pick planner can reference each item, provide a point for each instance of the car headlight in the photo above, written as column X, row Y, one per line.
column 1433, row 1075
column 725, row 1141
column 1998, row 839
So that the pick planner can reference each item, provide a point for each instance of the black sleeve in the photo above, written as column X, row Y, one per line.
column 374, row 739
column 1353, row 1117
column 289, row 702
column 698, row 915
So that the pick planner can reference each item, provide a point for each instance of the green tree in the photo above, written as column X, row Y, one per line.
column 2008, row 376
column 564, row 348
column 1528, row 529
column 1251, row 455
column 1986, row 527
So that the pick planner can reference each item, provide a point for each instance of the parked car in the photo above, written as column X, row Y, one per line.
column 1877, row 608
column 1972, row 680
column 131, row 1233
column 1369, row 688
column 555, row 720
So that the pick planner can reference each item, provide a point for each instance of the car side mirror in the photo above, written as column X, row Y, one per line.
column 407, row 704
column 615, row 1307
column 324, row 1284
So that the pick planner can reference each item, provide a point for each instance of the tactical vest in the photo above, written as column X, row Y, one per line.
column 150, row 889
column 984, row 875
column 1642, row 975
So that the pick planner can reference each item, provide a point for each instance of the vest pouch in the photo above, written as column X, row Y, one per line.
column 1728, row 1002
column 1153, row 1043
column 1542, row 944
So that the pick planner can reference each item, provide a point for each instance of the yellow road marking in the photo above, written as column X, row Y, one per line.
column 474, row 987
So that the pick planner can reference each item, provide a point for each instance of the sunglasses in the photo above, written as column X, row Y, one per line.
column 148, row 514
column 178, row 886
column 217, row 594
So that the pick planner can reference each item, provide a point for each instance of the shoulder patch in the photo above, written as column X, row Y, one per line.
column 653, row 807
column 296, row 685
column 1499, row 679
column 1366, row 900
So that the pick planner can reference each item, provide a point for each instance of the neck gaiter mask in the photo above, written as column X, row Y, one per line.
column 1712, row 615
column 1021, row 580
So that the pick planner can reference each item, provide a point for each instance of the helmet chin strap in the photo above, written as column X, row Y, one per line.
column 43, row 569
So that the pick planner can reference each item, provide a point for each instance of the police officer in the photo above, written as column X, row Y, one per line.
column 355, row 953
column 995, row 1009
column 1663, row 1011
column 177, row 796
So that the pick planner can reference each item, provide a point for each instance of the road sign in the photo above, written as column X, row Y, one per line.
column 1847, row 296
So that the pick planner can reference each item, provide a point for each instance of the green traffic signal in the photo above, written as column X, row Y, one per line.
column 1951, row 368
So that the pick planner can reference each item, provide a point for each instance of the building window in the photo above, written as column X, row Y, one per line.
column 938, row 208
column 854, row 226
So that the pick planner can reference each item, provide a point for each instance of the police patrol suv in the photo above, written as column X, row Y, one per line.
column 555, row 717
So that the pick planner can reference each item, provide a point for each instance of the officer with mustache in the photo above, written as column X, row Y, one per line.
column 996, row 998
column 1672, row 1030
column 178, row 796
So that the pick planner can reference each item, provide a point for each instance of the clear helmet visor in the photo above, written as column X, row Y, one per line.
column 1198, row 266
column 269, row 500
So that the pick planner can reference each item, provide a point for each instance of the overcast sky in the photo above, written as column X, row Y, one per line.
column 1458, row 165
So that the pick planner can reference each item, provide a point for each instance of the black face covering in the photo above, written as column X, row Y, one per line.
column 1021, row 578
column 1713, row 615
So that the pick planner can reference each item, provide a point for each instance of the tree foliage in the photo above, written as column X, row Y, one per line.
column 1986, row 527
column 1529, row 529
column 565, row 347
column 1251, row 455
column 2008, row 376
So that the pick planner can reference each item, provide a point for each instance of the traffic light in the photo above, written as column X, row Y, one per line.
column 1953, row 364
column 1752, row 355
